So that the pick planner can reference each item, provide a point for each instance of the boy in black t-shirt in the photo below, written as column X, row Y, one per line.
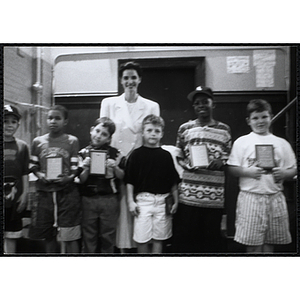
column 151, row 177
column 99, row 191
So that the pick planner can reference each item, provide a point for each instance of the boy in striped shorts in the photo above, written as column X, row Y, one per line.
column 262, row 161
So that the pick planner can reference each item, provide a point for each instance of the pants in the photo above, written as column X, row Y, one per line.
column 197, row 230
column 99, row 221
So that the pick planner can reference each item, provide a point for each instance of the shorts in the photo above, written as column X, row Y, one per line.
column 152, row 221
column 13, row 223
column 65, row 224
column 262, row 219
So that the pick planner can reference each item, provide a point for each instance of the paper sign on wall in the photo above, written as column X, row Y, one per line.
column 264, row 62
column 238, row 64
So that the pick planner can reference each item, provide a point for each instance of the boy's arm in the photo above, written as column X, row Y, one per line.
column 114, row 164
column 83, row 176
column 284, row 174
column 119, row 172
column 23, row 198
column 174, row 191
column 133, row 207
column 252, row 172
column 34, row 167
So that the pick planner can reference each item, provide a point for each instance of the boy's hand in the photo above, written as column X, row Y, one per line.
column 42, row 177
column 111, row 164
column 134, row 209
column 279, row 174
column 174, row 208
column 86, row 162
column 255, row 172
column 215, row 164
column 22, row 203
column 63, row 179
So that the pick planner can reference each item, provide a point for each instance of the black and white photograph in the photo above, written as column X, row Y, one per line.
column 203, row 86
column 211, row 128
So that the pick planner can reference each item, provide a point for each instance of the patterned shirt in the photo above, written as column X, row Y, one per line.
column 204, row 188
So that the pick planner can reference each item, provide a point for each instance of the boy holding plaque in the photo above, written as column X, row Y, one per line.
column 262, row 161
column 205, row 145
column 102, row 169
column 150, row 179
column 16, row 161
column 56, row 213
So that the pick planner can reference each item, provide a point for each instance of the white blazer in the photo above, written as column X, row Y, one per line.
column 128, row 135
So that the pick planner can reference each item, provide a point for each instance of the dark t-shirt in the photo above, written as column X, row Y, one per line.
column 151, row 170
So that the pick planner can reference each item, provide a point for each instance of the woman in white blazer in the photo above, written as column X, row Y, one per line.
column 127, row 111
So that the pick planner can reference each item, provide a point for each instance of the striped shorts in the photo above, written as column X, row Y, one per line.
column 262, row 219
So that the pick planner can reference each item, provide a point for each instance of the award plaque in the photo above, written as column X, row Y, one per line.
column 54, row 167
column 98, row 159
column 199, row 155
column 265, row 156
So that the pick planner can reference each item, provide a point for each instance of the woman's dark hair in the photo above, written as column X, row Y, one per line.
column 131, row 65
column 258, row 105
column 61, row 109
column 107, row 123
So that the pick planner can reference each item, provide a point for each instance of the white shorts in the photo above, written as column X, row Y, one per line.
column 262, row 219
column 152, row 221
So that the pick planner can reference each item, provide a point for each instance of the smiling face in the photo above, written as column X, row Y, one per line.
column 56, row 122
column 152, row 134
column 260, row 122
column 130, row 81
column 10, row 126
column 203, row 106
column 100, row 135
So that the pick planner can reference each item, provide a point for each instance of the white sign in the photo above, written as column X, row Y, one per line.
column 238, row 64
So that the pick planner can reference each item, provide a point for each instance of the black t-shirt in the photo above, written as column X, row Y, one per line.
column 151, row 170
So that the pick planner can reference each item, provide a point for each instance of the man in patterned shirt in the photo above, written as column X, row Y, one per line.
column 205, row 144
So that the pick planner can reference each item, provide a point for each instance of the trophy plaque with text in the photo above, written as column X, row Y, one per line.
column 265, row 156
column 54, row 167
column 199, row 155
column 98, row 159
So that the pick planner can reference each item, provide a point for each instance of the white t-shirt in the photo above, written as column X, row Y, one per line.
column 243, row 154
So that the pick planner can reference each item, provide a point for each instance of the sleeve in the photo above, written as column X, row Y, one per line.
column 235, row 154
column 130, row 169
column 227, row 145
column 34, row 163
column 26, row 160
column 104, row 109
column 81, row 157
column 289, row 158
column 74, row 157
column 156, row 109
column 180, row 139
column 174, row 174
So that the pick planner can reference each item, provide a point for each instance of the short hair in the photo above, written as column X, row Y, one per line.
column 154, row 120
column 107, row 123
column 258, row 105
column 62, row 109
column 131, row 65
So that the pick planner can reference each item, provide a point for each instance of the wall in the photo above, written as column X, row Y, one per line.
column 20, row 74
column 217, row 77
